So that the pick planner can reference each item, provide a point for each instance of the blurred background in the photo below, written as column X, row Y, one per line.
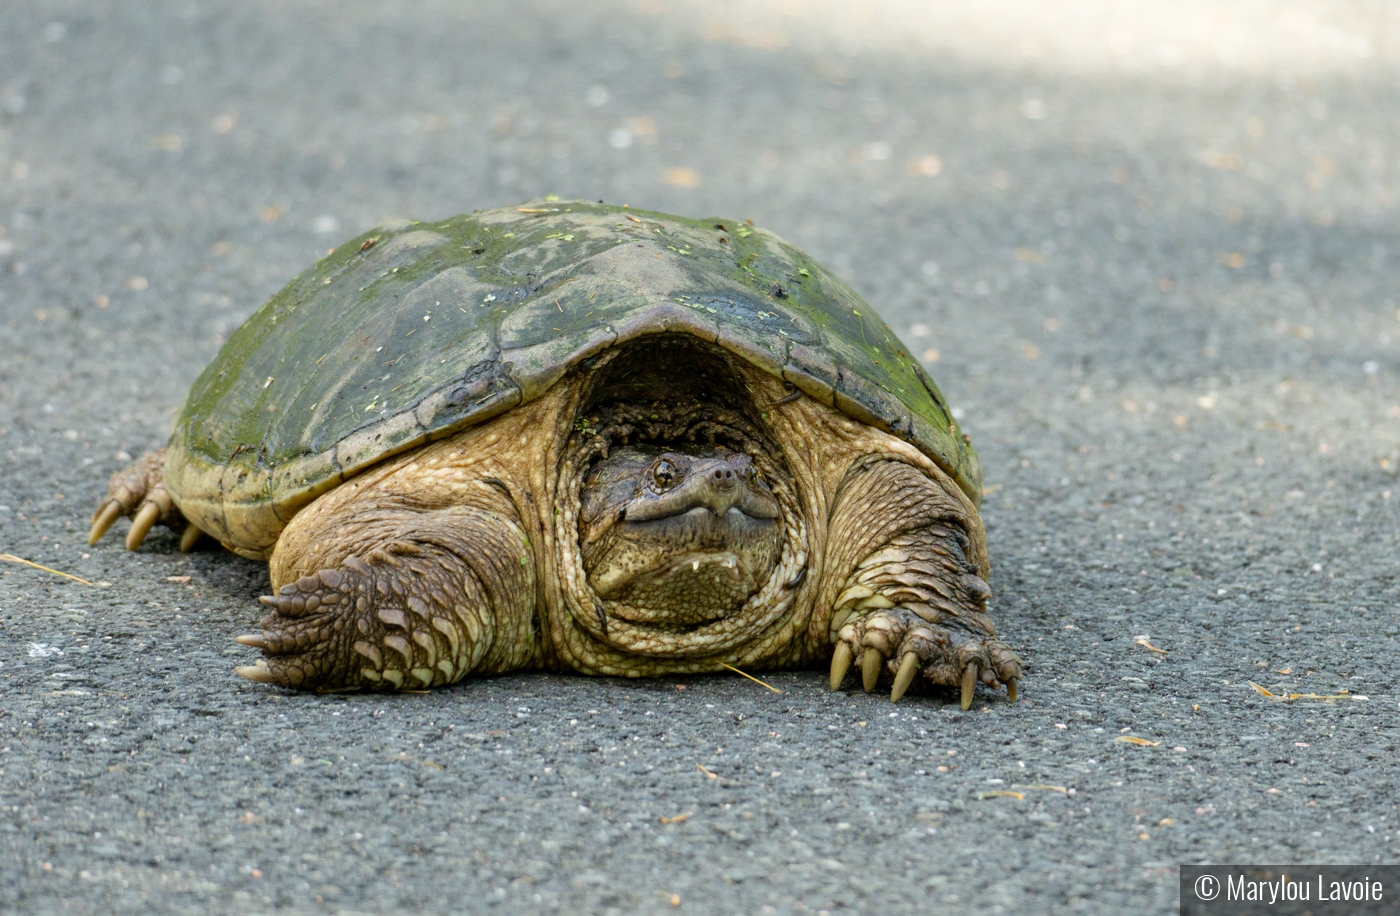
column 1149, row 252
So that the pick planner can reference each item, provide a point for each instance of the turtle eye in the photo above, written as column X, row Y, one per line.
column 665, row 475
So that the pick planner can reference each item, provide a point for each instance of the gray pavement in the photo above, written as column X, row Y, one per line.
column 1151, row 256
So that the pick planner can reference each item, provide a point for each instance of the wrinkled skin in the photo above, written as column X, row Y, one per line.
column 724, row 522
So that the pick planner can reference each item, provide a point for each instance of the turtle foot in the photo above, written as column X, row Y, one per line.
column 363, row 626
column 138, row 492
column 895, row 645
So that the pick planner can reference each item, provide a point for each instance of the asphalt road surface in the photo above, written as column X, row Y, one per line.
column 1151, row 256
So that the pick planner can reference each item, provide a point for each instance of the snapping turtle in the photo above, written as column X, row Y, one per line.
column 580, row 437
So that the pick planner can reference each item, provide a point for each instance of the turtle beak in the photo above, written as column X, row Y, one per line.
column 718, row 489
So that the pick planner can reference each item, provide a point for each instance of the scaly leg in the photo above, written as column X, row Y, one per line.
column 914, row 599
column 138, row 492
column 400, row 597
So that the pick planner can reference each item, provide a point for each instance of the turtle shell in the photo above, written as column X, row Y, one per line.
column 414, row 331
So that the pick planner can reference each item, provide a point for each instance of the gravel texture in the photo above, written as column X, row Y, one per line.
column 1152, row 258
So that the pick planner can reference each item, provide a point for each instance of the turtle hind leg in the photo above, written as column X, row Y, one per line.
column 138, row 492
column 428, row 598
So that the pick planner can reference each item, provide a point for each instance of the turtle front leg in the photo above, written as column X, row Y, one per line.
column 426, row 598
column 913, row 598
column 138, row 492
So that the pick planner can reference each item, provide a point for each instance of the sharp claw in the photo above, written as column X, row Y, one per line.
column 109, row 513
column 287, row 607
column 141, row 525
column 259, row 672
column 870, row 664
column 840, row 664
column 251, row 639
column 969, row 683
column 1011, row 689
column 907, row 668
column 190, row 538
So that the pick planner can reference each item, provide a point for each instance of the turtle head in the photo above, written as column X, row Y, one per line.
column 684, row 537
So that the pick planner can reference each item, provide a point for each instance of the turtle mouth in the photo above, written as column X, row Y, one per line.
column 702, row 517
column 687, row 559
column 752, row 510
column 699, row 530
column 699, row 536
